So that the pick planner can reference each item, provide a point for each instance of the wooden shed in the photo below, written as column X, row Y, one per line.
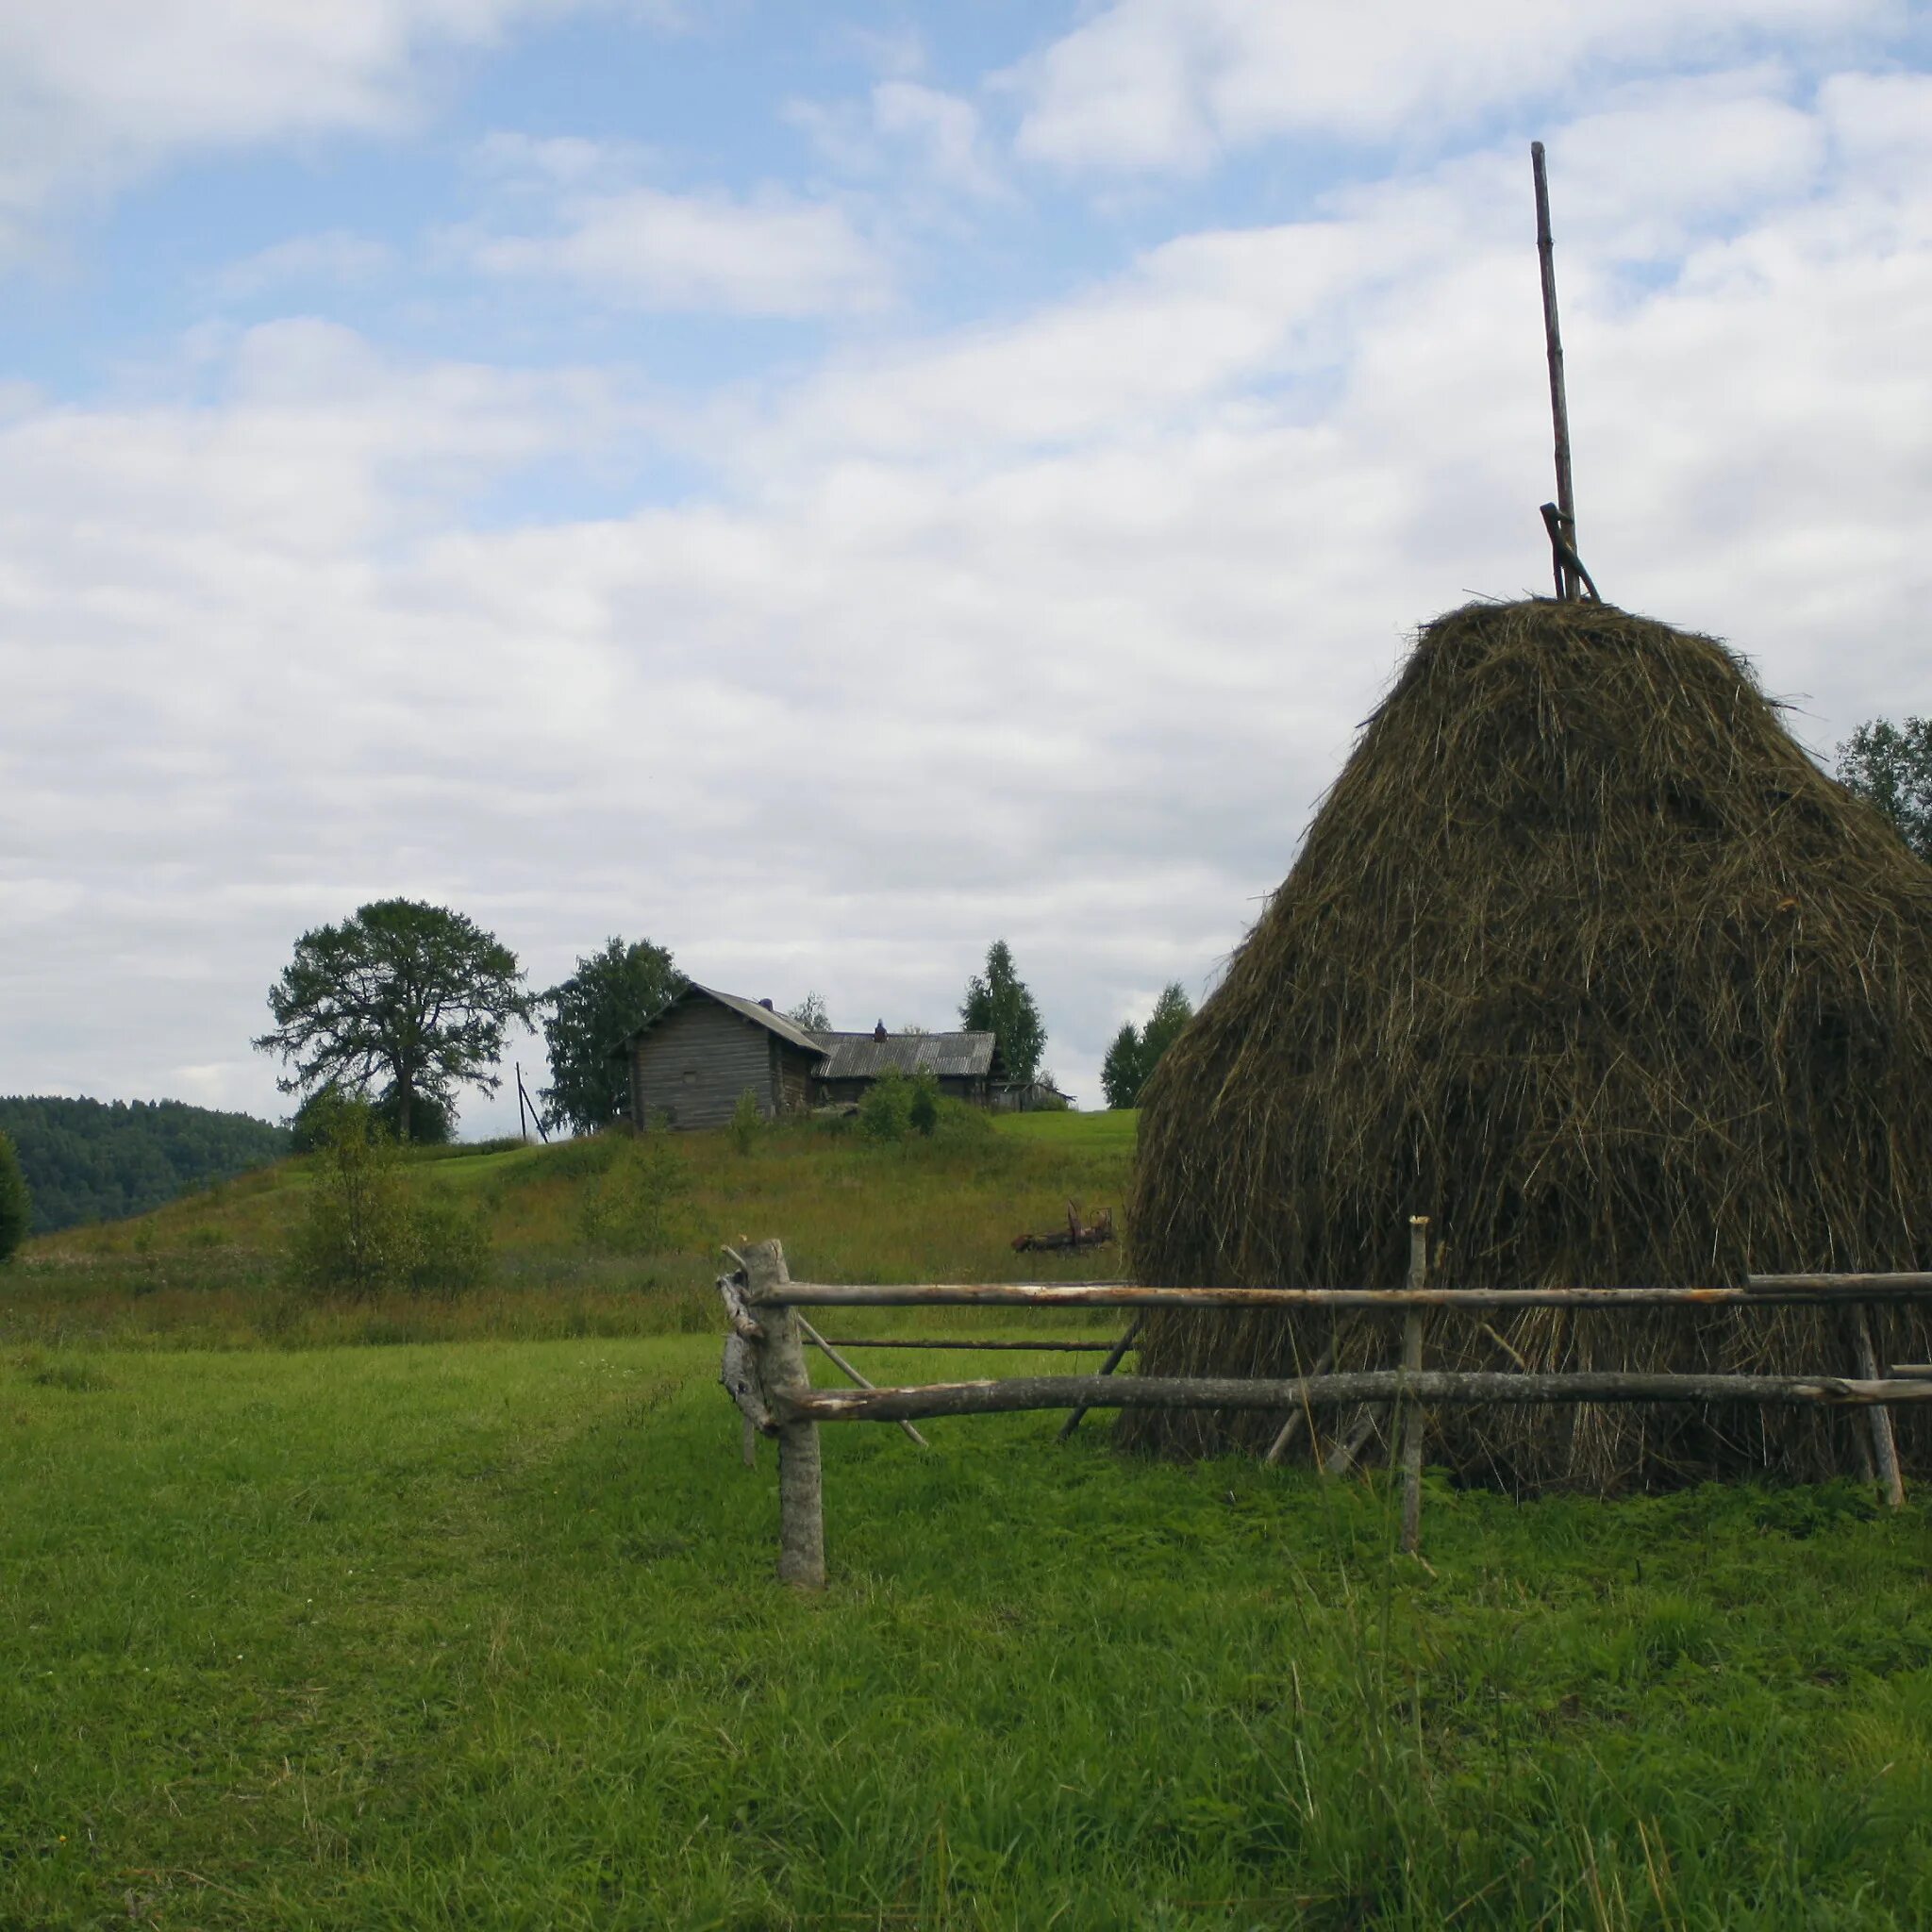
column 690, row 1064
column 962, row 1062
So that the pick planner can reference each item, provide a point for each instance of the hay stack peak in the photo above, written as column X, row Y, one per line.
column 1585, row 959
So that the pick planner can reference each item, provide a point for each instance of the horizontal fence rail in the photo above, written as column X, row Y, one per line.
column 765, row 1368
column 1768, row 1290
column 964, row 1341
column 1020, row 1393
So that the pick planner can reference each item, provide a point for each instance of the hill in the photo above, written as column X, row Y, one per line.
column 205, row 1270
column 102, row 1161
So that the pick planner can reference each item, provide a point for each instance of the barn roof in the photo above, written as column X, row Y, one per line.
column 864, row 1055
column 783, row 1026
column 853, row 1055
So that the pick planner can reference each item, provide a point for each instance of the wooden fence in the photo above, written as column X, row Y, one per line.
column 765, row 1366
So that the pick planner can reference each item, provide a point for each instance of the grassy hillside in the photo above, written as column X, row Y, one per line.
column 485, row 1637
column 205, row 1270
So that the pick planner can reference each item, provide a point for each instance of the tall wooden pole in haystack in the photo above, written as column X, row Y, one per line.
column 1567, row 586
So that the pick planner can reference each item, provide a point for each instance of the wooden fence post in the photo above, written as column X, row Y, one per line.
column 801, row 1492
column 1884, row 1443
column 1411, row 1408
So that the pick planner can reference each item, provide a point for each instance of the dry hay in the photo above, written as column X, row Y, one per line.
column 1587, row 960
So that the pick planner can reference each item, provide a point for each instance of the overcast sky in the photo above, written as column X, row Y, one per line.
column 821, row 488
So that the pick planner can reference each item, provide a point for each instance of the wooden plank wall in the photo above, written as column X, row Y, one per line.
column 695, row 1062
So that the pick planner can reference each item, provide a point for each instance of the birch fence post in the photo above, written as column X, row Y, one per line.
column 1411, row 1408
column 801, row 1492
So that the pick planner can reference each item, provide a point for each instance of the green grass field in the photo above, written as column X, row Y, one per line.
column 483, row 1631
column 486, row 1635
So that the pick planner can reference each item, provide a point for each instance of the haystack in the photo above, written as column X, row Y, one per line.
column 1588, row 961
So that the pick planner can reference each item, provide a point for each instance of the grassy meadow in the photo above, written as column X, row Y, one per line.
column 207, row 1271
column 481, row 1631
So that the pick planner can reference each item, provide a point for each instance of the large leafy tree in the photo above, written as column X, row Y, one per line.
column 408, row 999
column 1134, row 1055
column 1165, row 1024
column 997, row 1002
column 1892, row 767
column 16, row 1209
column 589, row 1017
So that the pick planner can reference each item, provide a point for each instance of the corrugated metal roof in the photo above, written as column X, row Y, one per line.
column 864, row 1057
column 785, row 1028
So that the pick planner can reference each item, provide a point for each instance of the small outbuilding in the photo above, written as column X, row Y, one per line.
column 962, row 1062
column 690, row 1065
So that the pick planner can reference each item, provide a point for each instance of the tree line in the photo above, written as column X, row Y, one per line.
column 403, row 1004
column 83, row 1161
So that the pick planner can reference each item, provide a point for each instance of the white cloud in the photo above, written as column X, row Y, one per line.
column 94, row 92
column 944, row 128
column 334, row 257
column 644, row 247
column 1054, row 630
column 917, row 138
column 1169, row 84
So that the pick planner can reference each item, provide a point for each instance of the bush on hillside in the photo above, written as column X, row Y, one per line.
column 885, row 1112
column 746, row 1120
column 356, row 1238
column 637, row 1206
column 365, row 1230
column 16, row 1208
column 923, row 1108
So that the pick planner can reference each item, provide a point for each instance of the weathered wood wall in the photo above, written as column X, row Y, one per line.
column 790, row 1077
column 694, row 1063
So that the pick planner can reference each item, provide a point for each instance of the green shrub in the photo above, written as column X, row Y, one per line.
column 366, row 1229
column 923, row 1110
column 637, row 1206
column 357, row 1235
column 962, row 1123
column 885, row 1112
column 747, row 1118
column 16, row 1208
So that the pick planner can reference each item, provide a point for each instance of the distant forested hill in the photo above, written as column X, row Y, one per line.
column 97, row 1160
